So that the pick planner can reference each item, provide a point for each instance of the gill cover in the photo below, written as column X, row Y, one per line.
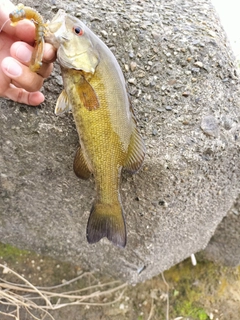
column 75, row 49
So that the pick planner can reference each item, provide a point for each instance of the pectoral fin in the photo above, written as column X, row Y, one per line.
column 87, row 95
column 136, row 152
column 63, row 104
column 80, row 166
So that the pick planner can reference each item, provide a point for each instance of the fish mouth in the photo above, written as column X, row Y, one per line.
column 65, row 38
column 56, row 29
column 55, row 37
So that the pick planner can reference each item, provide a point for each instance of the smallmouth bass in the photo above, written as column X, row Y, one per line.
column 95, row 91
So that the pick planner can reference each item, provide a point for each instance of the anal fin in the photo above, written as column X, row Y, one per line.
column 136, row 152
column 80, row 166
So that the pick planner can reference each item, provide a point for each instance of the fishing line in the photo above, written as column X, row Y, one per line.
column 4, row 24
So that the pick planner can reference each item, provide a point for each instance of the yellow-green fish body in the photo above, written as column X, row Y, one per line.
column 94, row 88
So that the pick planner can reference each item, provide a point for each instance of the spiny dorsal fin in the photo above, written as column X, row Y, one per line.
column 136, row 152
column 80, row 166
column 87, row 95
column 63, row 104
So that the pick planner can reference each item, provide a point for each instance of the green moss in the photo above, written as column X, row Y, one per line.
column 51, row 271
column 10, row 253
column 188, row 285
column 187, row 309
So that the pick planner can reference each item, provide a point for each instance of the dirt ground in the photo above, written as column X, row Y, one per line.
column 205, row 291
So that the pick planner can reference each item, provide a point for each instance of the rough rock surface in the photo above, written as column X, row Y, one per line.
column 184, row 88
column 224, row 245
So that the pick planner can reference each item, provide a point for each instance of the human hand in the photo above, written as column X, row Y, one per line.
column 17, row 81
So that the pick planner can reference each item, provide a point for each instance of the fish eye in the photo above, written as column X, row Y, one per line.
column 78, row 31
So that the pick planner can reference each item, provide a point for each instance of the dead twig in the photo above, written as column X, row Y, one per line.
column 167, row 285
column 151, row 310
column 23, row 295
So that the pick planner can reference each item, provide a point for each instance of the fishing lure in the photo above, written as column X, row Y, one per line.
column 21, row 13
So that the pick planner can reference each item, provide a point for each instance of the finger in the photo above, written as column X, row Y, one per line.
column 21, row 75
column 5, row 8
column 23, row 53
column 45, row 70
column 24, row 29
column 22, row 96
column 49, row 53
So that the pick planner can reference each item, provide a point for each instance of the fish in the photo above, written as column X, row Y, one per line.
column 22, row 12
column 96, row 93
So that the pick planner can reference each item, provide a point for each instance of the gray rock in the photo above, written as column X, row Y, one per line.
column 189, row 180
column 209, row 125
column 224, row 246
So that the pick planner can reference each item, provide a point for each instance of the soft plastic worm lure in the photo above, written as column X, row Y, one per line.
column 21, row 13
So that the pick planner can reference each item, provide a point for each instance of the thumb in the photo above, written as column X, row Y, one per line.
column 5, row 8
column 23, row 30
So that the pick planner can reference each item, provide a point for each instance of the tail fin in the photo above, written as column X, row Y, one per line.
column 107, row 221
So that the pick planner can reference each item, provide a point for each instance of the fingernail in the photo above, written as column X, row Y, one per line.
column 13, row 68
column 23, row 53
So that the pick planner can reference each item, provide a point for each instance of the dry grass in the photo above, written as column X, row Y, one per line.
column 45, row 299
